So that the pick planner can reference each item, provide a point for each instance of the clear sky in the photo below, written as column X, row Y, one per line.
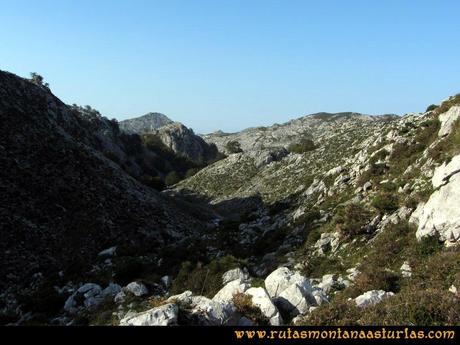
column 228, row 65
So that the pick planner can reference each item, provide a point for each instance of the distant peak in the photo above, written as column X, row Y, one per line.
column 145, row 123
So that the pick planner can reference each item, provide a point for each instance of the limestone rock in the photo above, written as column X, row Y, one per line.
column 372, row 297
column 295, row 300
column 447, row 120
column 225, row 295
column 441, row 213
column 137, row 289
column 165, row 315
column 406, row 270
column 261, row 299
column 280, row 279
column 109, row 252
column 443, row 173
column 235, row 274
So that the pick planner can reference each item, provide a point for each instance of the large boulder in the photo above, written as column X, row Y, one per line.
column 440, row 215
column 87, row 296
column 261, row 299
column 372, row 297
column 295, row 300
column 225, row 295
column 137, row 289
column 267, row 156
column 200, row 310
column 165, row 315
column 280, row 279
column 290, row 291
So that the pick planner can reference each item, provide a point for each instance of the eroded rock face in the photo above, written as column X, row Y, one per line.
column 448, row 119
column 183, row 142
column 441, row 213
column 372, row 297
column 165, row 315
column 443, row 173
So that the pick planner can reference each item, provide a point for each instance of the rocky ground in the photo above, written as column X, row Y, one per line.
column 328, row 219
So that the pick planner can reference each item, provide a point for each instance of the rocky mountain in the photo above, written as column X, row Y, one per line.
column 312, row 126
column 145, row 124
column 174, row 136
column 63, row 200
column 328, row 219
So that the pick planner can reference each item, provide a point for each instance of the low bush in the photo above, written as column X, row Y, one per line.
column 431, row 107
column 305, row 145
column 245, row 307
column 377, row 279
column 351, row 219
column 386, row 202
column 203, row 279
column 432, row 307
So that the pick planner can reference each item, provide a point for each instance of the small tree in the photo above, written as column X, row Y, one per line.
column 37, row 79
column 431, row 107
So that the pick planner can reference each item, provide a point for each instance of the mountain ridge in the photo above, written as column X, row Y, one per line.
column 317, row 222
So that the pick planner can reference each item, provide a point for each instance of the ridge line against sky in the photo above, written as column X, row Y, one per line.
column 230, row 65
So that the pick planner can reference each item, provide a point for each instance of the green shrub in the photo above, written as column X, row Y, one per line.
column 386, row 202
column 377, row 279
column 305, row 145
column 203, row 279
column 431, row 107
column 340, row 312
column 308, row 217
column 350, row 220
column 448, row 147
column 317, row 266
column 432, row 307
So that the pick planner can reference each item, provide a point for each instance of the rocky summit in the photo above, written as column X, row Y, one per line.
column 145, row 124
column 329, row 219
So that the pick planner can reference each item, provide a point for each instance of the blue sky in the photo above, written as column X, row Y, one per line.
column 234, row 64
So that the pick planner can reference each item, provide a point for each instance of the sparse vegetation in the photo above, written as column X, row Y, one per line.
column 305, row 145
column 351, row 219
column 431, row 107
column 203, row 279
column 245, row 307
column 386, row 202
